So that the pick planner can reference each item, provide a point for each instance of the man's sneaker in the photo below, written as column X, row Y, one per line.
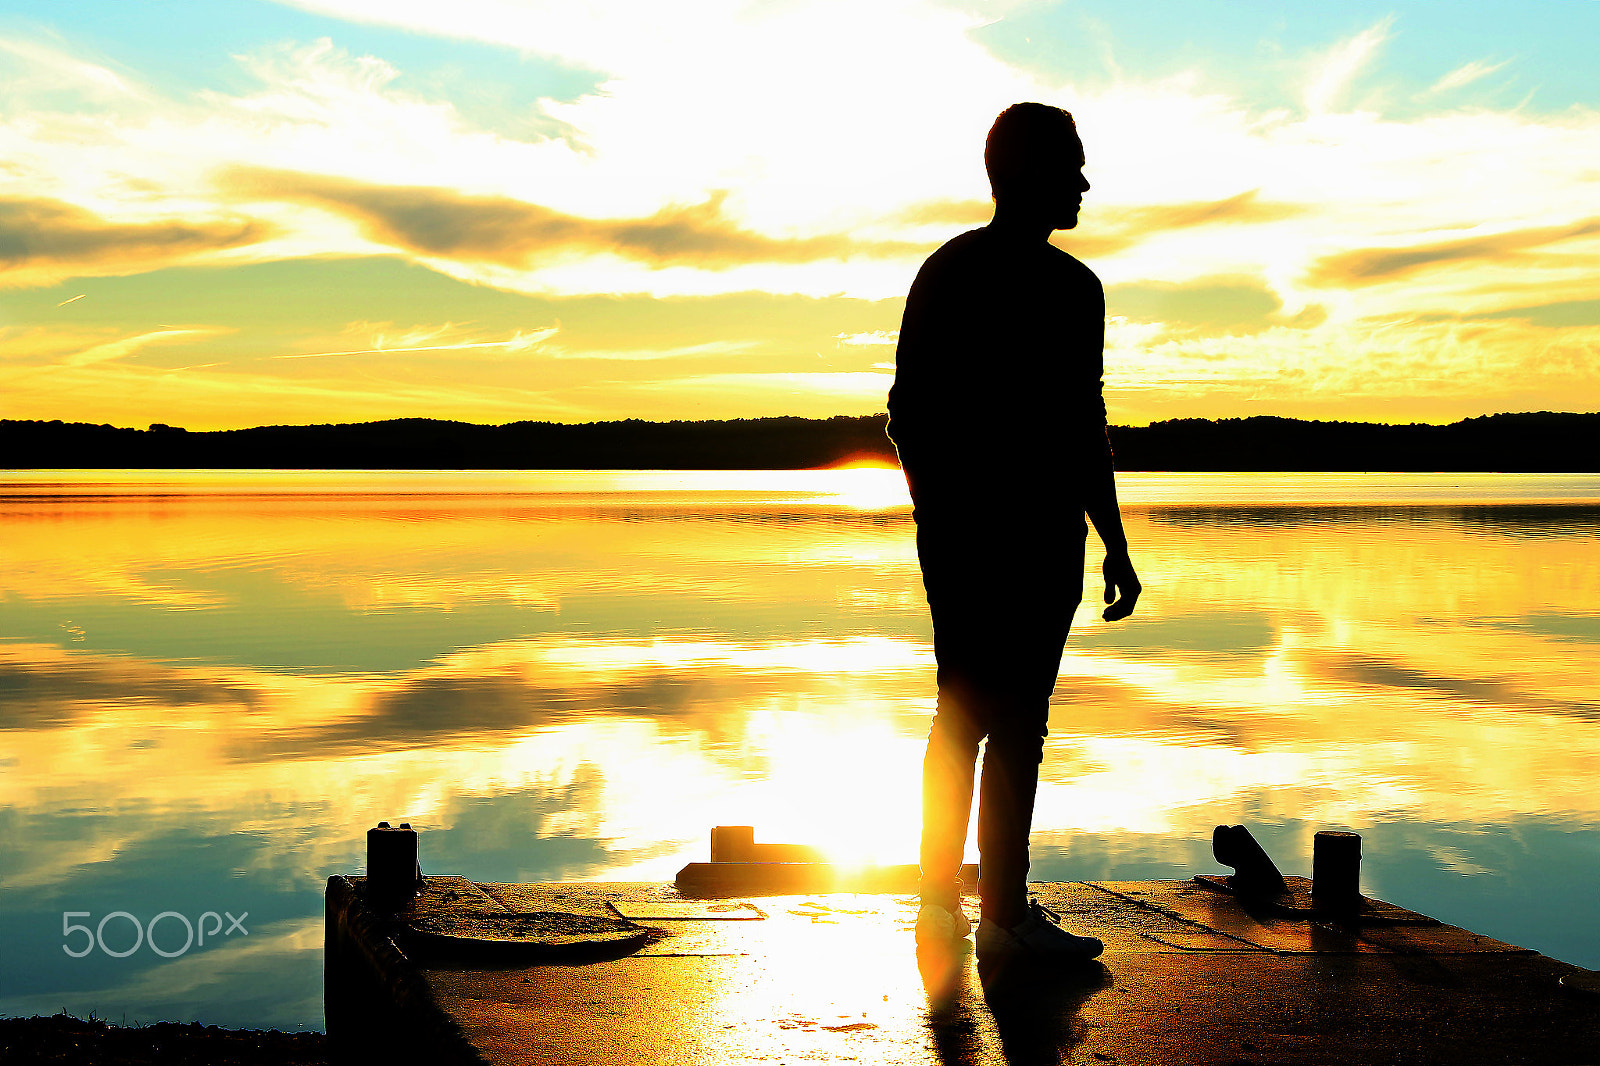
column 935, row 925
column 1038, row 938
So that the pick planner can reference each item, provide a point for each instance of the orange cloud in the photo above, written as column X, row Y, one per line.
column 1107, row 230
column 1243, row 208
column 1367, row 266
column 42, row 239
column 947, row 212
column 515, row 233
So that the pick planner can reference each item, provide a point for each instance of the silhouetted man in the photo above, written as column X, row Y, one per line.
column 1000, row 424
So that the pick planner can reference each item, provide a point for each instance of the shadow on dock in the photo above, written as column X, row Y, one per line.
column 759, row 957
column 1190, row 975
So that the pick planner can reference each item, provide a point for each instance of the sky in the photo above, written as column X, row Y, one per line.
column 226, row 213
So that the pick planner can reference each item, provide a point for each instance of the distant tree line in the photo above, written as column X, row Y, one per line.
column 1543, row 441
column 431, row 444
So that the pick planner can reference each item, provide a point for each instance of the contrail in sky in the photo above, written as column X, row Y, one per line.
column 521, row 340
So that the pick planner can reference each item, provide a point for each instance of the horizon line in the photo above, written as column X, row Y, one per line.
column 167, row 428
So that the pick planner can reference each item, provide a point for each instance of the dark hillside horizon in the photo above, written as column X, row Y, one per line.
column 1541, row 441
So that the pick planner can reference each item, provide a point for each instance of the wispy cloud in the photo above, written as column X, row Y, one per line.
column 117, row 349
column 710, row 349
column 1243, row 208
column 947, row 213
column 442, row 222
column 42, row 239
column 865, row 389
column 876, row 337
column 43, row 67
column 1366, row 266
column 520, row 342
column 1106, row 229
column 1466, row 74
column 1340, row 65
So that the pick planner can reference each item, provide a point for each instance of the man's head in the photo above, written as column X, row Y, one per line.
column 1035, row 162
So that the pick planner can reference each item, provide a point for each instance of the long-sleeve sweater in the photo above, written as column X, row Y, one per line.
column 997, row 398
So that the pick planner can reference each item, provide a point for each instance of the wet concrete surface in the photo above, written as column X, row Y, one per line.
column 1189, row 975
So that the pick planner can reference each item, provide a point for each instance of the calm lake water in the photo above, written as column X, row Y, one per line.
column 212, row 683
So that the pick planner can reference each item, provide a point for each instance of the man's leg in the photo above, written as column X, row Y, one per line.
column 946, row 552
column 1020, row 675
column 1005, row 815
column 998, row 631
column 947, row 774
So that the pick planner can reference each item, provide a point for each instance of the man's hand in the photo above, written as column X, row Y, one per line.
column 1120, row 578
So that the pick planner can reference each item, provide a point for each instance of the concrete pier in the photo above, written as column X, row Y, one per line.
column 1189, row 975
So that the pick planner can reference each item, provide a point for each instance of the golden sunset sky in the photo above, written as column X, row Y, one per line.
column 226, row 213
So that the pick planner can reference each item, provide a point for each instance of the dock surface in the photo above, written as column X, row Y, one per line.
column 1189, row 975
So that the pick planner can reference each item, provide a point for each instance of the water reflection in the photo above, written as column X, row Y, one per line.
column 208, row 687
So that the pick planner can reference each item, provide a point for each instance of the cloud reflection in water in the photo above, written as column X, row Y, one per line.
column 580, row 685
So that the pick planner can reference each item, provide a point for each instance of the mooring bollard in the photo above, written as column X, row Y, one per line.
column 393, row 875
column 1254, row 874
column 732, row 843
column 1336, row 870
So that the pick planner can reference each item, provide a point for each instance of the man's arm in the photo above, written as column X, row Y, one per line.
column 1122, row 584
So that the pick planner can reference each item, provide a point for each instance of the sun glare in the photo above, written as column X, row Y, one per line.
column 868, row 486
column 845, row 782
